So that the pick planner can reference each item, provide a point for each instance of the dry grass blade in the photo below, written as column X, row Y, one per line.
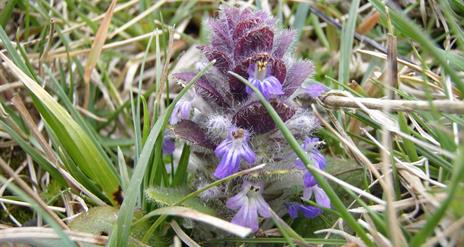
column 25, row 204
column 97, row 49
column 182, row 235
column 412, row 66
column 446, row 106
column 23, row 185
column 138, row 18
column 34, row 234
column 391, row 79
column 368, row 23
column 60, row 53
column 205, row 218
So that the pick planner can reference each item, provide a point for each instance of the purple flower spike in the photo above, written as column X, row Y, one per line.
column 249, row 202
column 181, row 111
column 260, row 76
column 315, row 90
column 319, row 194
column 231, row 150
column 308, row 211
column 168, row 145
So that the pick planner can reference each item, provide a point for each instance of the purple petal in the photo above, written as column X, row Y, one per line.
column 168, row 146
column 310, row 211
column 247, row 216
column 310, row 142
column 299, row 164
column 283, row 42
column 274, row 85
column 308, row 192
column 296, row 75
column 175, row 115
column 190, row 131
column 321, row 197
column 185, row 110
column 222, row 148
column 307, row 210
column 293, row 209
column 230, row 164
column 309, row 180
column 263, row 207
column 248, row 154
column 318, row 159
column 246, row 66
column 237, row 201
column 315, row 90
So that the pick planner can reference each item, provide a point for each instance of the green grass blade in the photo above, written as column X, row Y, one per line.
column 180, row 176
column 346, row 44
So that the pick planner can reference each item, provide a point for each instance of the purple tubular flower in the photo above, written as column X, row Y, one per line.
column 307, row 210
column 168, row 145
column 309, row 145
column 181, row 111
column 231, row 151
column 315, row 90
column 319, row 194
column 259, row 75
column 249, row 202
column 310, row 183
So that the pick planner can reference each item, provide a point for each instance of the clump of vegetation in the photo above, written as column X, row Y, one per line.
column 135, row 123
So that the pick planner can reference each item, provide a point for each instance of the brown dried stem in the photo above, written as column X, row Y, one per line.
column 445, row 106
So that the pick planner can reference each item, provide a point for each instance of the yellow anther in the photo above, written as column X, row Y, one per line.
column 261, row 65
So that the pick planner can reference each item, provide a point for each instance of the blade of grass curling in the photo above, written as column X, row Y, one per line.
column 346, row 43
column 74, row 139
column 124, row 222
column 409, row 28
column 66, row 241
column 434, row 220
column 338, row 204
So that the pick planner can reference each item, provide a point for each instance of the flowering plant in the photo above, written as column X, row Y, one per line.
column 223, row 116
